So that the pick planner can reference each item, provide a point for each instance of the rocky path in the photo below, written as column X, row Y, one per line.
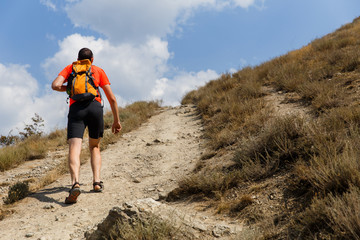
column 146, row 163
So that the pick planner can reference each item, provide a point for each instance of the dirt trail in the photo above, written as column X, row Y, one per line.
column 146, row 163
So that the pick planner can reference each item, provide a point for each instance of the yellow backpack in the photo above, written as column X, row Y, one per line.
column 81, row 85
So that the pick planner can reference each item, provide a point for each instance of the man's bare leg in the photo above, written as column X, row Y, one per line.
column 94, row 146
column 74, row 166
column 74, row 158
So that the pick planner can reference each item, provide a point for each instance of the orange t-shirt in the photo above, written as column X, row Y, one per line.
column 100, row 78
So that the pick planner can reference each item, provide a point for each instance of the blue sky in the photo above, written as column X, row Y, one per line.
column 156, row 49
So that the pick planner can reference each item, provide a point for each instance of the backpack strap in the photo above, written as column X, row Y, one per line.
column 91, row 81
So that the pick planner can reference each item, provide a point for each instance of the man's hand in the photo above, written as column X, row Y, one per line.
column 116, row 127
column 57, row 84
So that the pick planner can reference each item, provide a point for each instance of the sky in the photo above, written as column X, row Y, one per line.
column 150, row 50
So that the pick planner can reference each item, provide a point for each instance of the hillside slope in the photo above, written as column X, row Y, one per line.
column 305, row 164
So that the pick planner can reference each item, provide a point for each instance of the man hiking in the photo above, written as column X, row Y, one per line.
column 85, row 110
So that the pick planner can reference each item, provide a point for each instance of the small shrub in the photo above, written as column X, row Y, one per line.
column 323, row 44
column 36, row 128
column 323, row 95
column 8, row 140
column 205, row 183
column 343, row 212
column 334, row 169
column 311, row 223
column 17, row 192
column 190, row 98
column 351, row 62
column 332, row 217
column 289, row 76
column 282, row 143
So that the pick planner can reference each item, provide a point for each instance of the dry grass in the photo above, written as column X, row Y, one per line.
column 320, row 153
column 333, row 217
column 30, row 149
column 219, row 104
column 280, row 144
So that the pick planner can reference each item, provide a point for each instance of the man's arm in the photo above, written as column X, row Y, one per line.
column 116, row 127
column 58, row 84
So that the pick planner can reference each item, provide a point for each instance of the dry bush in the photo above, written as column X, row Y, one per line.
column 323, row 95
column 343, row 212
column 229, row 123
column 334, row 169
column 282, row 143
column 227, row 103
column 340, row 119
column 311, row 223
column 17, row 192
column 289, row 76
column 332, row 217
column 323, row 44
column 335, row 144
column 190, row 98
column 205, row 183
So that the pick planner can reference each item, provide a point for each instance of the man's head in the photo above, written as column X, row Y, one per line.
column 85, row 53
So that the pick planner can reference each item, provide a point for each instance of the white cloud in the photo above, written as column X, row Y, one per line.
column 49, row 4
column 171, row 91
column 135, row 71
column 135, row 21
column 50, row 37
column 244, row 3
column 19, row 103
column 68, row 51
column 131, row 69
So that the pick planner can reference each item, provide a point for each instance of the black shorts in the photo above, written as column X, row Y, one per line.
column 85, row 114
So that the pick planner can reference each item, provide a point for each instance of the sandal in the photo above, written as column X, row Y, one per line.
column 98, row 186
column 73, row 194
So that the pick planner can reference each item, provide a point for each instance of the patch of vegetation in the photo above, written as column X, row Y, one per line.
column 318, row 154
column 18, row 191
